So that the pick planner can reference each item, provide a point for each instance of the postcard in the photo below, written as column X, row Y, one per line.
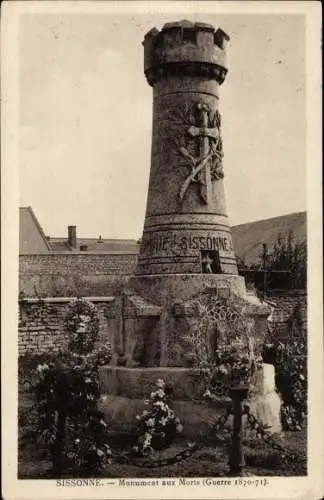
column 162, row 319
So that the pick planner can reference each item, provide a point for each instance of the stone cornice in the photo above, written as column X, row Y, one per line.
column 184, row 68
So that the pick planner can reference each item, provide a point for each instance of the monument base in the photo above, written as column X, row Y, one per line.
column 125, row 389
column 163, row 289
column 183, row 383
column 161, row 322
column 155, row 313
column 196, row 418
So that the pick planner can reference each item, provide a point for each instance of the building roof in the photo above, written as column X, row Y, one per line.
column 248, row 238
column 32, row 238
column 95, row 245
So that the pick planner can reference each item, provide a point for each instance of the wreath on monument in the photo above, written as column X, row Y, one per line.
column 234, row 364
column 82, row 325
column 222, row 345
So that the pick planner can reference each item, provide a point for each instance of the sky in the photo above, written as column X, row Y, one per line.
column 85, row 115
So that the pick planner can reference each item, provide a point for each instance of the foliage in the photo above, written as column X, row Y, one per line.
column 259, row 455
column 82, row 324
column 290, row 361
column 158, row 424
column 66, row 391
column 233, row 366
column 286, row 265
column 222, row 345
column 291, row 255
column 65, row 387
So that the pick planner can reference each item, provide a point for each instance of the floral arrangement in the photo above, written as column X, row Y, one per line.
column 101, row 355
column 66, row 388
column 233, row 364
column 82, row 325
column 158, row 424
column 69, row 422
column 221, row 347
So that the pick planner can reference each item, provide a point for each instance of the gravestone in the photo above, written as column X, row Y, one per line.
column 186, row 250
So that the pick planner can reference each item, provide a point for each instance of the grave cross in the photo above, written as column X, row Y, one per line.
column 204, row 133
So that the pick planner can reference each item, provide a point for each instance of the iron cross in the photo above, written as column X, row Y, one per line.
column 204, row 133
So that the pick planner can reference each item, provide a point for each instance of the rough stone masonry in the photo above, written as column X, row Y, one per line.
column 186, row 246
column 186, row 250
column 186, row 229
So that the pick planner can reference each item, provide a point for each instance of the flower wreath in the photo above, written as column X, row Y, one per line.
column 235, row 363
column 82, row 325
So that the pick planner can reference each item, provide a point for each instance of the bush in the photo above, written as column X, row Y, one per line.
column 65, row 386
column 291, row 380
column 68, row 423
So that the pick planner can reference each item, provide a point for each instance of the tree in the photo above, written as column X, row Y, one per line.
column 291, row 256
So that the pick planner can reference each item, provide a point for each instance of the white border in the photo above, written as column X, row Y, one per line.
column 298, row 487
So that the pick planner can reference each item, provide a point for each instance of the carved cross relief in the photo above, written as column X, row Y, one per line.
column 209, row 153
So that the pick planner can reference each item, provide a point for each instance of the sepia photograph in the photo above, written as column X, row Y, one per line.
column 165, row 269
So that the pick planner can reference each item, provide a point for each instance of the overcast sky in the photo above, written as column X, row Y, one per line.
column 86, row 113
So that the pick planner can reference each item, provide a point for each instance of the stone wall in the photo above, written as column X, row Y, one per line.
column 69, row 274
column 41, row 324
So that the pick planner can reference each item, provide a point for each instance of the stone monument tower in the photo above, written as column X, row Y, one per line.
column 186, row 253
column 187, row 242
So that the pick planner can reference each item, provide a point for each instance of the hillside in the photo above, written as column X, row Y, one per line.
column 248, row 238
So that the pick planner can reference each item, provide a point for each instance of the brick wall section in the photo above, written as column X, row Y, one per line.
column 41, row 329
column 69, row 274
